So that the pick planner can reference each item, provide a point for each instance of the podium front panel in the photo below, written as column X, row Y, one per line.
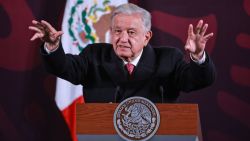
column 178, row 121
column 154, row 138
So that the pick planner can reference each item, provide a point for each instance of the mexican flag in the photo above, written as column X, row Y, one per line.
column 84, row 22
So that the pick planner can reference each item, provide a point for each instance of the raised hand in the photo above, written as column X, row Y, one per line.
column 197, row 40
column 45, row 32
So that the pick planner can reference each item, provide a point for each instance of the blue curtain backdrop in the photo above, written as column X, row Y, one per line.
column 27, row 108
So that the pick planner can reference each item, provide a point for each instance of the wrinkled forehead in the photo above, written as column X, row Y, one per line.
column 134, row 19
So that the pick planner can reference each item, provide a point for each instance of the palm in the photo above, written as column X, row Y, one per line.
column 197, row 40
column 195, row 43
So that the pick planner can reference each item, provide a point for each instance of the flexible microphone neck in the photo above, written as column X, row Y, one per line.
column 162, row 93
column 117, row 90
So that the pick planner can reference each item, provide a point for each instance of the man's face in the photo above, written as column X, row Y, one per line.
column 128, row 36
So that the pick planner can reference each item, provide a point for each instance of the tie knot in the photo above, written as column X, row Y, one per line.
column 130, row 68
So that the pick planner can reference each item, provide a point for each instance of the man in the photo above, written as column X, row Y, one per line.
column 129, row 66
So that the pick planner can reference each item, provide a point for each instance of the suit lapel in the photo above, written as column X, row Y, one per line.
column 146, row 65
column 143, row 72
column 114, row 67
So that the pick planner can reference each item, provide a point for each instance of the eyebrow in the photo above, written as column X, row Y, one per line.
column 126, row 29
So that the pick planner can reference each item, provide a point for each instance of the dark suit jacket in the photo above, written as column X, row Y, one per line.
column 159, row 76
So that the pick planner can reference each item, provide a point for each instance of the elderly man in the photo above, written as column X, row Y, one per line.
column 129, row 66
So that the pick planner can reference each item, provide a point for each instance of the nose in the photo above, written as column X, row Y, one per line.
column 124, row 37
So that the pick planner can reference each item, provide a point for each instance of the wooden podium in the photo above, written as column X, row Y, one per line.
column 178, row 122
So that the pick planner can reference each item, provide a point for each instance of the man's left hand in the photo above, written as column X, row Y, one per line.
column 197, row 40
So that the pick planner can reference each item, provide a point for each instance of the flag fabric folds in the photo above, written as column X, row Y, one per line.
column 84, row 22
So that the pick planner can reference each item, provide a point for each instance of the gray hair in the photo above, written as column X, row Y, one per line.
column 130, row 8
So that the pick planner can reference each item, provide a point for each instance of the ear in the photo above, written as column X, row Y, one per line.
column 148, row 36
column 110, row 29
column 110, row 35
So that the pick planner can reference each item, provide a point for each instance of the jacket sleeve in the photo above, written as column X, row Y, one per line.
column 72, row 68
column 192, row 76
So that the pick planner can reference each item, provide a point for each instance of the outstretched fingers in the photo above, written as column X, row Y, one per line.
column 58, row 34
column 48, row 25
column 33, row 28
column 34, row 22
column 190, row 30
column 199, row 27
column 208, row 36
column 38, row 25
column 51, row 31
column 45, row 32
column 36, row 36
column 204, row 29
column 39, row 30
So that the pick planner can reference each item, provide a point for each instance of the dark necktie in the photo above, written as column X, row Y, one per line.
column 130, row 68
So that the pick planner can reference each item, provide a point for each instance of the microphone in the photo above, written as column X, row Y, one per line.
column 162, row 93
column 117, row 90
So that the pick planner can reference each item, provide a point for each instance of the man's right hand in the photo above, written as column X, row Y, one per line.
column 45, row 32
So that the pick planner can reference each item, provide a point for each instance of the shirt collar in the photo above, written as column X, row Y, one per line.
column 135, row 61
